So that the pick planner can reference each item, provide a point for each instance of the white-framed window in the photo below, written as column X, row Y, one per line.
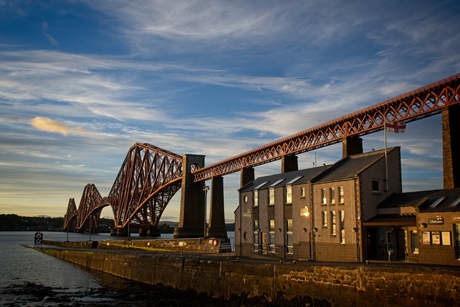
column 271, row 237
column 256, row 198
column 342, row 226
column 333, row 223
column 341, row 195
column 289, row 194
column 414, row 241
column 332, row 195
column 256, row 235
column 324, row 218
column 323, row 196
column 272, row 196
column 302, row 192
column 289, row 240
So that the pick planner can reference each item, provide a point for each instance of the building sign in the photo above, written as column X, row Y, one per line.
column 436, row 221
column 247, row 214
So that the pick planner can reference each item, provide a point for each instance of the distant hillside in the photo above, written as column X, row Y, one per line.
column 11, row 222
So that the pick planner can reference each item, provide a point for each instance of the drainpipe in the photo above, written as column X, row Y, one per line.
column 312, row 220
column 359, row 245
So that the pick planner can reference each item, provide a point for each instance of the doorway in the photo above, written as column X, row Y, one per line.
column 371, row 243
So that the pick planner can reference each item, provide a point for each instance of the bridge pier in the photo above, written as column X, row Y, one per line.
column 451, row 146
column 351, row 145
column 191, row 220
column 216, row 226
column 149, row 232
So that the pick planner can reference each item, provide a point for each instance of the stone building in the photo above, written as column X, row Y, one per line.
column 318, row 213
column 421, row 227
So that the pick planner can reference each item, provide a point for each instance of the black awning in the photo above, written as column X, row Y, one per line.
column 391, row 220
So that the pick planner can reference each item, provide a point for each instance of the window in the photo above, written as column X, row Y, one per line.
column 288, row 194
column 271, row 242
column 272, row 196
column 289, row 241
column 256, row 235
column 457, row 240
column 256, row 197
column 341, row 198
column 324, row 220
column 302, row 192
column 245, row 198
column 333, row 223
column 414, row 241
column 323, row 196
column 332, row 195
column 342, row 226
column 375, row 186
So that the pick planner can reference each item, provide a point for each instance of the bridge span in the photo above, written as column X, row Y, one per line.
column 150, row 176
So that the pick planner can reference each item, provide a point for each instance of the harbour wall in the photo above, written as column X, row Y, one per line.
column 341, row 285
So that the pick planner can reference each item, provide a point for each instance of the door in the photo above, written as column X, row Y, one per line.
column 401, row 244
column 457, row 240
column 371, row 241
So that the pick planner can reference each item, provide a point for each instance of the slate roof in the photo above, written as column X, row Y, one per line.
column 405, row 199
column 442, row 201
column 426, row 201
column 350, row 166
column 283, row 179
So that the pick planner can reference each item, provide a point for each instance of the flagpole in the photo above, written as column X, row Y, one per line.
column 385, row 146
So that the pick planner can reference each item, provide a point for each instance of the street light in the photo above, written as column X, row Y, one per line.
column 304, row 212
column 205, row 189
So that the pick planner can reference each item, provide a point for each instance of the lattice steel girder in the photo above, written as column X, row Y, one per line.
column 71, row 213
column 420, row 103
column 147, row 180
column 91, row 204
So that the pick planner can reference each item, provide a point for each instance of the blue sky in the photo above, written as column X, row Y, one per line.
column 82, row 81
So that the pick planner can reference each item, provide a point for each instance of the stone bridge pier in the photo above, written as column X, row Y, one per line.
column 193, row 204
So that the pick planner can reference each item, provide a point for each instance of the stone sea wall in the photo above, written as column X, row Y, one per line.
column 341, row 285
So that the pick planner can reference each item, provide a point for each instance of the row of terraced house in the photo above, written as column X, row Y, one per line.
column 351, row 211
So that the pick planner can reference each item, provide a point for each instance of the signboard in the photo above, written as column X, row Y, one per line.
column 436, row 238
column 426, row 238
column 436, row 220
column 247, row 214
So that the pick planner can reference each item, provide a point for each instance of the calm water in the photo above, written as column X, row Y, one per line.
column 31, row 278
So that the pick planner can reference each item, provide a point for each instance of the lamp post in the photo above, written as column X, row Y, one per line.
column 205, row 189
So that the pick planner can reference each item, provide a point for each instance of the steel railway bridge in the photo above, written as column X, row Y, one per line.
column 150, row 176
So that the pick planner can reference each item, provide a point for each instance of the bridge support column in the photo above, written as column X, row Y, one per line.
column 451, row 146
column 351, row 145
column 289, row 164
column 246, row 176
column 191, row 220
column 216, row 226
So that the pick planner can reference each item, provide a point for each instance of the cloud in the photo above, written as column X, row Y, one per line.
column 51, row 39
column 54, row 126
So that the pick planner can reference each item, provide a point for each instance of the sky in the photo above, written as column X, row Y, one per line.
column 82, row 81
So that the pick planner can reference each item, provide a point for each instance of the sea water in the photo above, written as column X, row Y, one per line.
column 31, row 278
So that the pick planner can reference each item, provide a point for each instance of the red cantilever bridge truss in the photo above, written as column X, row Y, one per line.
column 150, row 176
